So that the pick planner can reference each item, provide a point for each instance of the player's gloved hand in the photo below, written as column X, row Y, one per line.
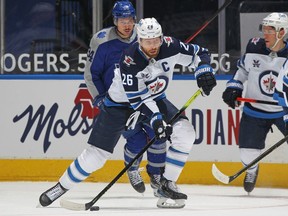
column 161, row 129
column 98, row 100
column 233, row 90
column 205, row 78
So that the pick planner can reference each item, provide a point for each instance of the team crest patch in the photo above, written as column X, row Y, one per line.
column 267, row 82
column 128, row 61
column 158, row 86
column 256, row 63
column 255, row 40
column 101, row 34
column 168, row 40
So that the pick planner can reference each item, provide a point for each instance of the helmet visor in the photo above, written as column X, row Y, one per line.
column 267, row 29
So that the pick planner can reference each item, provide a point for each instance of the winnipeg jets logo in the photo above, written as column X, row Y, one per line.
column 154, row 88
column 255, row 40
column 168, row 41
column 256, row 63
column 129, row 61
column 267, row 82
column 158, row 86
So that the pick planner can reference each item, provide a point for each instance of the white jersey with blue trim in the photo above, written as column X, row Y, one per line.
column 281, row 90
column 141, row 81
column 260, row 68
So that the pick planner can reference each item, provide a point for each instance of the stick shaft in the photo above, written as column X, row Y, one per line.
column 251, row 100
column 260, row 157
column 209, row 20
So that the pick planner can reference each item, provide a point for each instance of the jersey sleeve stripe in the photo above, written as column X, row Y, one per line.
column 137, row 94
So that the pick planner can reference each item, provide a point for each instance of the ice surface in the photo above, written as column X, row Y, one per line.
column 21, row 198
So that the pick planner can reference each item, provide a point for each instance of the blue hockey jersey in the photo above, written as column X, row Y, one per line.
column 105, row 50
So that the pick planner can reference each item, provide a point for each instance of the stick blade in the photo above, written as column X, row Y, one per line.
column 72, row 205
column 219, row 175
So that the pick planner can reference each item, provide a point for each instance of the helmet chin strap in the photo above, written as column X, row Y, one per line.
column 277, row 40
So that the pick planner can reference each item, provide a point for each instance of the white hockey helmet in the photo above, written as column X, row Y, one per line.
column 277, row 20
column 149, row 28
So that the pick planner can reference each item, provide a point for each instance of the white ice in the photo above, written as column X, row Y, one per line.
column 21, row 198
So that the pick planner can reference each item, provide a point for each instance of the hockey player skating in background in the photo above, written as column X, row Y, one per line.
column 146, row 68
column 259, row 68
column 105, row 50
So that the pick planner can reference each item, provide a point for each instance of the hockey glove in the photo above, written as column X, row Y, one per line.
column 205, row 78
column 98, row 100
column 161, row 129
column 234, row 89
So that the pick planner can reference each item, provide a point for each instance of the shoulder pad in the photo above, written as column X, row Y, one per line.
column 104, row 35
column 256, row 45
column 167, row 40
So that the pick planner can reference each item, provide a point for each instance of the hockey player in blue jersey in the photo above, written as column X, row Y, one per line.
column 259, row 68
column 106, row 47
column 139, row 84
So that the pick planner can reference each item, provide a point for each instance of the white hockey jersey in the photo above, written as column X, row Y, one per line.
column 259, row 68
column 281, row 90
column 141, row 81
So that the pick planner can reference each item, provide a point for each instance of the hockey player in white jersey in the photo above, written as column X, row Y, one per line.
column 139, row 84
column 259, row 68
column 105, row 50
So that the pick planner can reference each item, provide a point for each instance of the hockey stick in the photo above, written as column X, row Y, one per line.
column 251, row 100
column 228, row 2
column 227, row 179
column 81, row 207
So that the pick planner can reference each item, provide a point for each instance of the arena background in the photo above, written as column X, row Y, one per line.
column 46, row 112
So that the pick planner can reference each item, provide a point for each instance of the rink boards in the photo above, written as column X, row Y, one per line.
column 45, row 124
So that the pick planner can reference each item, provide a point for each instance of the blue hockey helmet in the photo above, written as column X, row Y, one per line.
column 123, row 9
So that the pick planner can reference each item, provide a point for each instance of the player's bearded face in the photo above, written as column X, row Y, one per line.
column 125, row 26
column 151, row 47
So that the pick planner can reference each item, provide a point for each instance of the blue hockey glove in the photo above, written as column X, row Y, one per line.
column 161, row 129
column 205, row 78
column 234, row 89
column 98, row 100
